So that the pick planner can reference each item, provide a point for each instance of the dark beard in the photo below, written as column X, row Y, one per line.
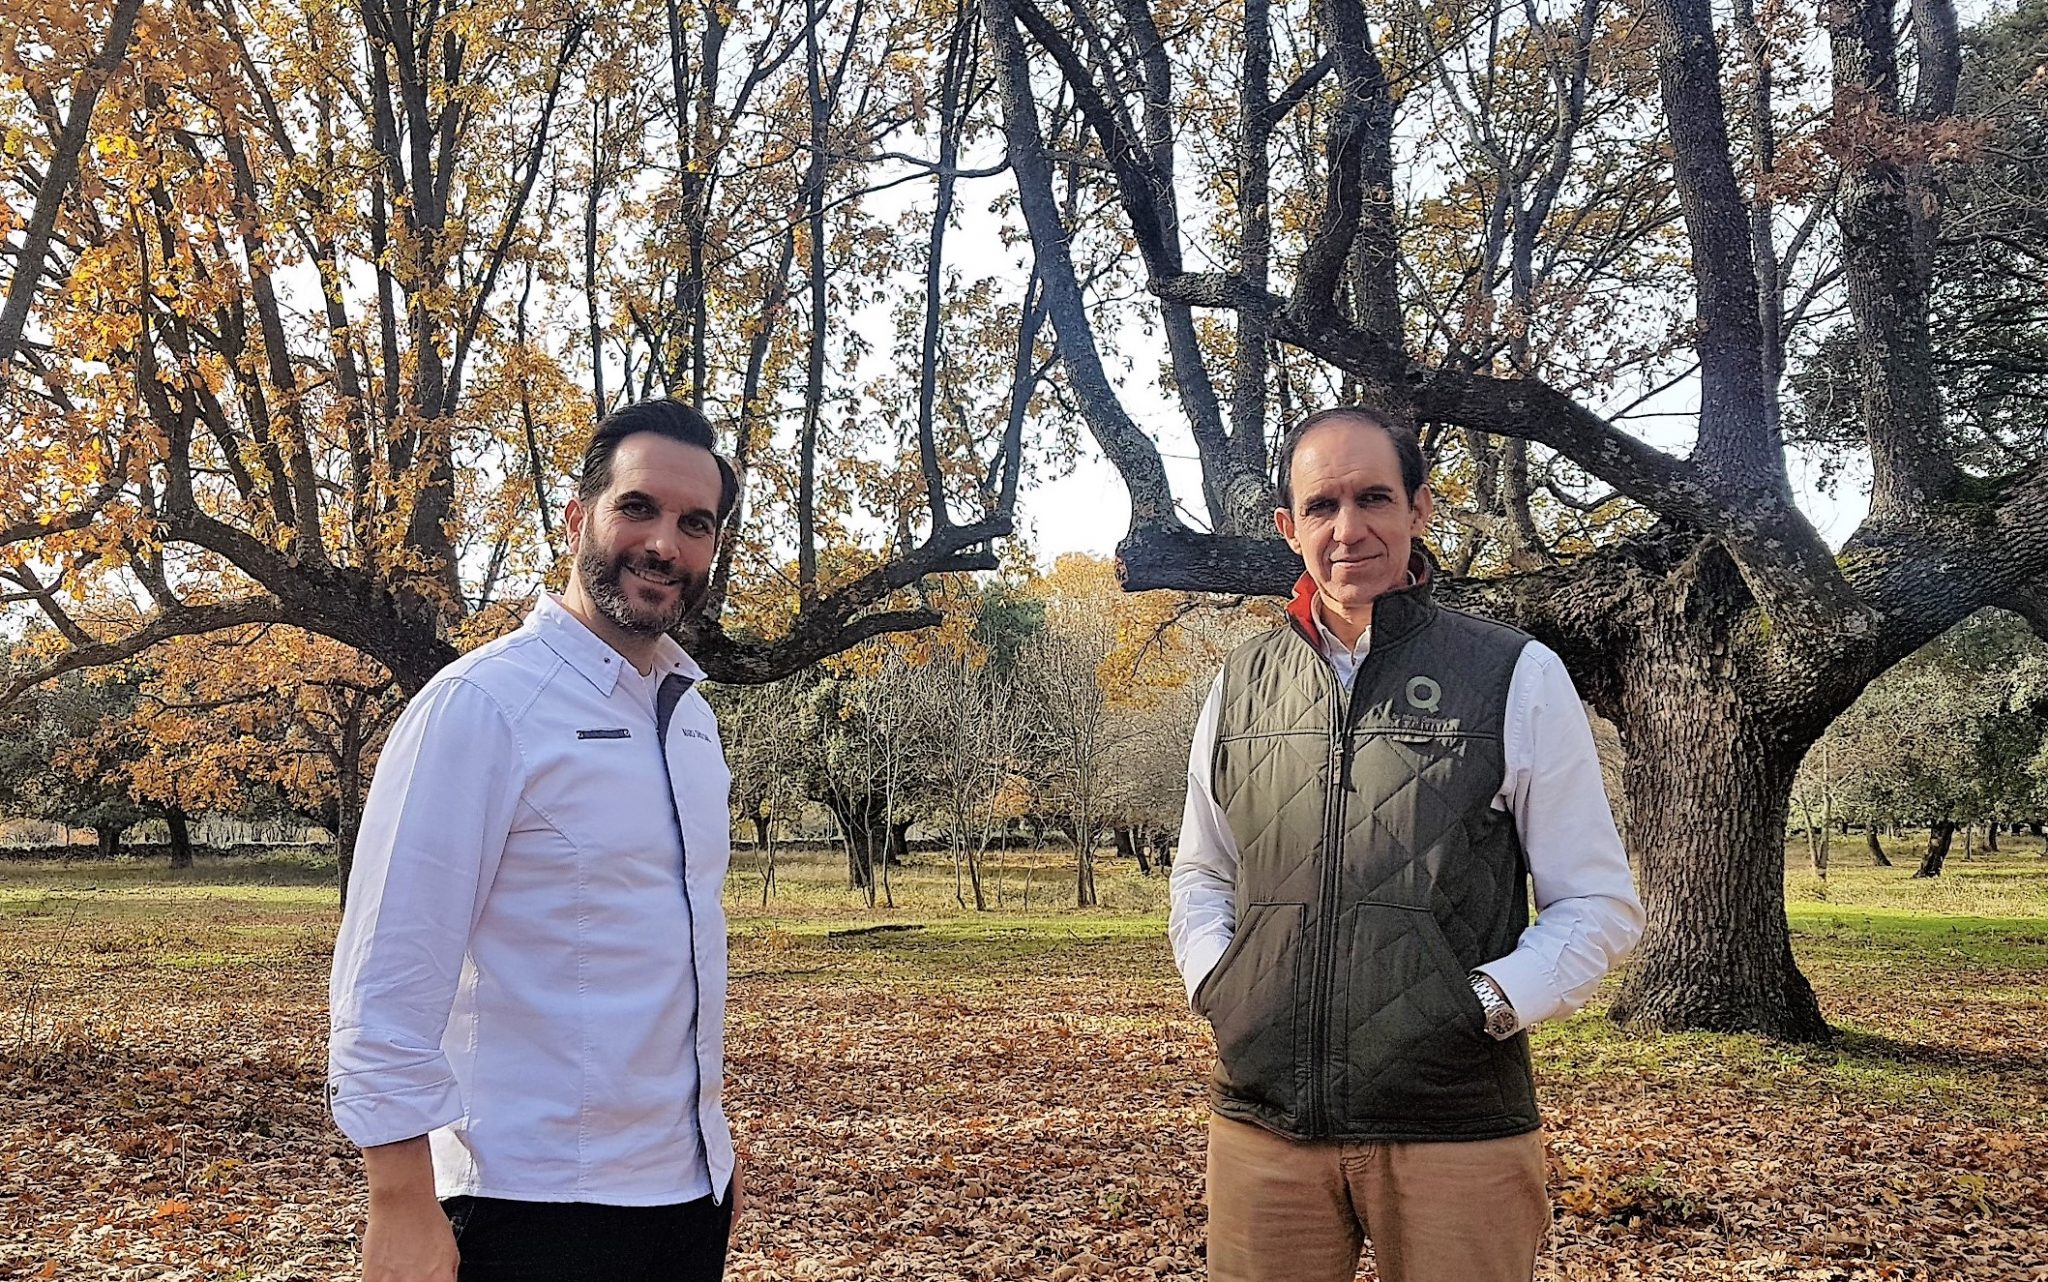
column 603, row 581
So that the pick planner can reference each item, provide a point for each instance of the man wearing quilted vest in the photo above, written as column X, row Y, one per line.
column 1375, row 789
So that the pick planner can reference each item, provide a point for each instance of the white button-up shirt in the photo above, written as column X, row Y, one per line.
column 532, row 967
column 1588, row 916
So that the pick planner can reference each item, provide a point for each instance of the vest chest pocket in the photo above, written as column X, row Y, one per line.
column 1455, row 771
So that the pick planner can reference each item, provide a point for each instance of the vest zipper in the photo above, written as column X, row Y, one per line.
column 1333, row 869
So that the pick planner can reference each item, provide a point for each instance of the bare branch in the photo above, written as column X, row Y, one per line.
column 162, row 626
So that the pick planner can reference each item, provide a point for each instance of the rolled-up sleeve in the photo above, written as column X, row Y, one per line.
column 1203, row 891
column 1588, row 915
column 433, row 830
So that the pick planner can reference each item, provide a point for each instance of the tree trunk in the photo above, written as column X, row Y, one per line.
column 1969, row 842
column 858, row 833
column 1162, row 849
column 1084, row 864
column 1939, row 835
column 899, row 842
column 181, row 837
column 1139, row 841
column 1126, row 843
column 761, row 823
column 974, row 852
column 1878, row 859
column 110, row 839
column 1991, row 837
column 348, row 803
column 1709, row 784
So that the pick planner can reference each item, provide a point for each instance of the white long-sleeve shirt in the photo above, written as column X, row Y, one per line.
column 532, row 967
column 1588, row 915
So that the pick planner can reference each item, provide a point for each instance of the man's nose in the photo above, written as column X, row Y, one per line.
column 662, row 544
column 1351, row 525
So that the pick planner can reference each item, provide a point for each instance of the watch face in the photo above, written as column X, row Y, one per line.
column 1500, row 1022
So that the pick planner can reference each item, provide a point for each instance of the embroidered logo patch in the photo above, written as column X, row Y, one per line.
column 1424, row 694
column 617, row 732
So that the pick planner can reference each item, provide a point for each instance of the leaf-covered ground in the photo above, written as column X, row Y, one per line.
column 1018, row 1094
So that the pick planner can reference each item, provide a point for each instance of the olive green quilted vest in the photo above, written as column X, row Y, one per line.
column 1376, row 875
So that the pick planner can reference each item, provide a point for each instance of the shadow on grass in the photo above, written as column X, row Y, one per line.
column 1855, row 1048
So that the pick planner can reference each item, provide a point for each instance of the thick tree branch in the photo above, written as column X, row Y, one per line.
column 1123, row 442
column 1142, row 165
column 829, row 623
column 1738, row 440
column 1783, row 559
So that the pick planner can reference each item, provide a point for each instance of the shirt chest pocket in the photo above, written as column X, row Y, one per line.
column 607, row 800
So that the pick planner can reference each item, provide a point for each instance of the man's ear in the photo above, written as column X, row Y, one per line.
column 1424, row 504
column 572, row 521
column 1283, row 521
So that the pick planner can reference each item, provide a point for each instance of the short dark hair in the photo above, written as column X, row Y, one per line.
column 664, row 416
column 1414, row 469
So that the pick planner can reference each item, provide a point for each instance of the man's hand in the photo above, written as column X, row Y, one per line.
column 408, row 1238
column 739, row 1192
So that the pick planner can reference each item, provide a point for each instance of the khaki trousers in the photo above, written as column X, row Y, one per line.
column 1282, row 1210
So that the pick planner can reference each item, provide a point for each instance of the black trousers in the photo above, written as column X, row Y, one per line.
column 506, row 1241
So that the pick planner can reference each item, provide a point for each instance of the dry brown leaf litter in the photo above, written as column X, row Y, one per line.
column 1028, row 1115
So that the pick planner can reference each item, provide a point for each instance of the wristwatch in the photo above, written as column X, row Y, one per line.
column 1500, row 1016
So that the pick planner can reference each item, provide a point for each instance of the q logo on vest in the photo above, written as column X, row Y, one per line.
column 1424, row 694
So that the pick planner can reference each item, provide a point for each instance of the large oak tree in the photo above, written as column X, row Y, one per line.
column 1716, row 628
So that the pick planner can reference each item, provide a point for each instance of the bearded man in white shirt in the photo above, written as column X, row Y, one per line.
column 1374, row 787
column 528, row 995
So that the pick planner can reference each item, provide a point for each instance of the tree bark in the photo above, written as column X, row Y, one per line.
column 1939, row 835
column 110, row 839
column 1878, row 858
column 181, row 837
column 1709, row 785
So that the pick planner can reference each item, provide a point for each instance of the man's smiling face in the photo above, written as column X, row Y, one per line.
column 644, row 546
column 1352, row 517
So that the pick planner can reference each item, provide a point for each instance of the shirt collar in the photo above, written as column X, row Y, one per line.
column 590, row 654
column 1357, row 649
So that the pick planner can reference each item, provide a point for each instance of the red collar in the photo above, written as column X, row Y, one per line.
column 1302, row 608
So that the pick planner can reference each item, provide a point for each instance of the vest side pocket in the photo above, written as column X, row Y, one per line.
column 1251, row 1001
column 1413, row 1033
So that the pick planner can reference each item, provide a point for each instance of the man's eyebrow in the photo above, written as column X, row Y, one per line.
column 626, row 496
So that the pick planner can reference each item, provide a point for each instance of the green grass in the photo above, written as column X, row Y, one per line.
column 1889, row 954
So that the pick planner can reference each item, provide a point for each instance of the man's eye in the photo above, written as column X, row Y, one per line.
column 697, row 525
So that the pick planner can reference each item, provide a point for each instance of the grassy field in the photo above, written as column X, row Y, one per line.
column 1018, row 1093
